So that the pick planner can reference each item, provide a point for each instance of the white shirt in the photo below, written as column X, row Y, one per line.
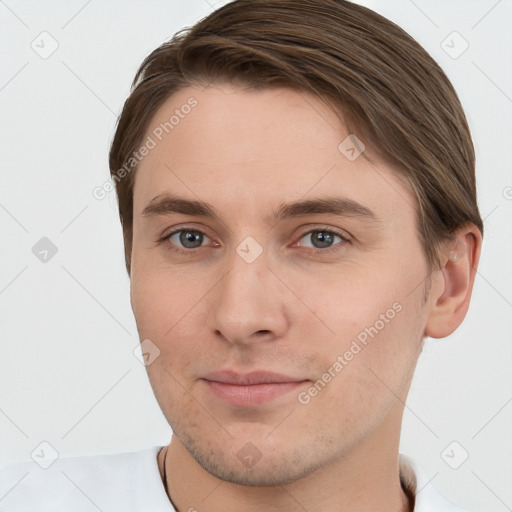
column 131, row 482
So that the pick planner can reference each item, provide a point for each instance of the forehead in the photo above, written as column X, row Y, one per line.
column 245, row 148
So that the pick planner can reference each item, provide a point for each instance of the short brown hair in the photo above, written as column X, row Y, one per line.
column 386, row 88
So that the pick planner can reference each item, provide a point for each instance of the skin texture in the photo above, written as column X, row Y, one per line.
column 293, row 310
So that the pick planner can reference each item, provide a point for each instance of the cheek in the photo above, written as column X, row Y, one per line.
column 348, row 301
column 370, row 330
column 170, row 312
column 163, row 312
column 160, row 303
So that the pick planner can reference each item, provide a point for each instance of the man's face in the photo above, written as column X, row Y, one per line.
column 329, row 299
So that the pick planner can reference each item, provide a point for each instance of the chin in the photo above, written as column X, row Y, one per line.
column 271, row 472
column 272, row 466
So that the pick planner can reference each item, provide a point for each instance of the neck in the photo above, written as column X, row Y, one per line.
column 366, row 480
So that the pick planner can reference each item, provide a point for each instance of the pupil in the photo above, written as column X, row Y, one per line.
column 323, row 239
column 189, row 238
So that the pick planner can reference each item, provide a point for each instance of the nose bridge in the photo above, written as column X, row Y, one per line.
column 247, row 300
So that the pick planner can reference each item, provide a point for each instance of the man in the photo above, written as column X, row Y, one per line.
column 297, row 194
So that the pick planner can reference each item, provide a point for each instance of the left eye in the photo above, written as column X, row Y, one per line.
column 322, row 238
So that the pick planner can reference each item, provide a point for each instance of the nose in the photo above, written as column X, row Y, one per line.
column 249, row 303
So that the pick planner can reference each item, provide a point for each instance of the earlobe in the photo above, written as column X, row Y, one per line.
column 450, row 302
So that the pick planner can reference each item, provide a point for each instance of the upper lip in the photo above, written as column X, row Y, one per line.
column 248, row 379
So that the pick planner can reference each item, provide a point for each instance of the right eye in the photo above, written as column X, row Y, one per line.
column 186, row 240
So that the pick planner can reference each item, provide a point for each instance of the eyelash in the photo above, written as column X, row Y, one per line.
column 331, row 231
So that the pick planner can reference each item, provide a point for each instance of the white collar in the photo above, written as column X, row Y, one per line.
column 416, row 480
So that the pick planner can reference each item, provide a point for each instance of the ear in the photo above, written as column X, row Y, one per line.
column 449, row 299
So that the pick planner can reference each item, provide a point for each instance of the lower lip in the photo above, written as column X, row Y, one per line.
column 256, row 394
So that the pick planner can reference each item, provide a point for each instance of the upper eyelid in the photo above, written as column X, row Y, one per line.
column 185, row 228
column 319, row 227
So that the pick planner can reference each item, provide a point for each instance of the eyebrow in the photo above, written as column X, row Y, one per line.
column 166, row 204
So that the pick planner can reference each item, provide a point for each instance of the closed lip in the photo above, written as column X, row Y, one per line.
column 249, row 379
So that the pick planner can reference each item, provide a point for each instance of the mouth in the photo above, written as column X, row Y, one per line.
column 251, row 389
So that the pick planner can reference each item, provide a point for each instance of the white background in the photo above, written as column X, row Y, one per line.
column 67, row 372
